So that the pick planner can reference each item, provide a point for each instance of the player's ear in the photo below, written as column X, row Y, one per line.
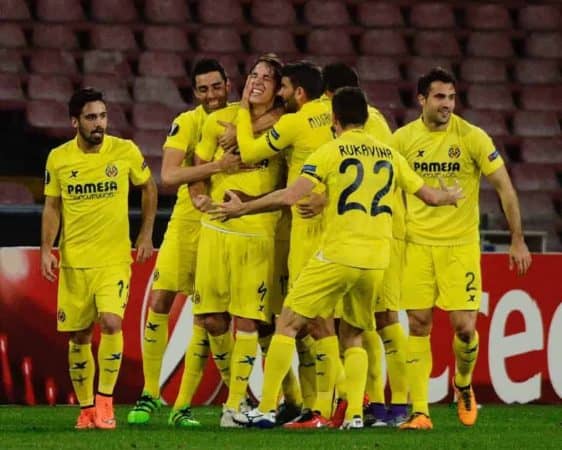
column 74, row 122
column 228, row 85
column 421, row 100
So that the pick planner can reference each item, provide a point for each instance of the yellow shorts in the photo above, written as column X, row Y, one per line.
column 175, row 265
column 322, row 284
column 447, row 277
column 305, row 239
column 234, row 274
column 391, row 284
column 84, row 293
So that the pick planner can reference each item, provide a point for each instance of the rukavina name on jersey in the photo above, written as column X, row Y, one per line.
column 320, row 121
column 365, row 150
column 88, row 191
column 437, row 168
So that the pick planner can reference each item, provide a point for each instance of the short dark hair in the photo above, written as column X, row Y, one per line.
column 349, row 106
column 337, row 75
column 207, row 65
column 273, row 61
column 306, row 75
column 435, row 74
column 80, row 98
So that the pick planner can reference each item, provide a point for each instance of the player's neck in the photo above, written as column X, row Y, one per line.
column 259, row 110
column 434, row 126
column 86, row 147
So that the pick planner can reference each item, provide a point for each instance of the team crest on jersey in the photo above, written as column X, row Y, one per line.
column 47, row 177
column 196, row 298
column 61, row 315
column 454, row 152
column 111, row 170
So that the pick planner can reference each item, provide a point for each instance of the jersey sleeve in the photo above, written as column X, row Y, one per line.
column 140, row 172
column 406, row 178
column 485, row 154
column 278, row 138
column 182, row 133
column 318, row 165
column 207, row 146
column 52, row 185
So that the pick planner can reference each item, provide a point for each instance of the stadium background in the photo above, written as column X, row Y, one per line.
column 507, row 56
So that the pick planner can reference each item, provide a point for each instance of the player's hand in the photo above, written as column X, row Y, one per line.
column 229, row 162
column 454, row 192
column 245, row 100
column 144, row 248
column 203, row 203
column 312, row 205
column 229, row 209
column 49, row 264
column 519, row 256
column 227, row 140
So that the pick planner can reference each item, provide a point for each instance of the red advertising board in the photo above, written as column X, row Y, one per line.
column 520, row 326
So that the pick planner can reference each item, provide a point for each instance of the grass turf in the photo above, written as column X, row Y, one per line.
column 498, row 427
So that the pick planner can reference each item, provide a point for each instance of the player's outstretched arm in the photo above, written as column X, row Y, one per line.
column 445, row 195
column 50, row 223
column 149, row 202
column 519, row 255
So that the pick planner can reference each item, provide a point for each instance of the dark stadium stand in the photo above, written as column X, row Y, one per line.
column 507, row 56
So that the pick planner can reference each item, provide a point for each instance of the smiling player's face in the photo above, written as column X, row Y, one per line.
column 92, row 123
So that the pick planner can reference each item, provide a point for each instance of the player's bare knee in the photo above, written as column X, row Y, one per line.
column 290, row 323
column 216, row 324
column 246, row 325
column 384, row 319
column 350, row 336
column 420, row 322
column 320, row 328
column 110, row 323
column 161, row 301
column 82, row 337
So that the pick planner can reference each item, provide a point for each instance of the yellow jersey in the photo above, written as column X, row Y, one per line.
column 461, row 152
column 184, row 135
column 254, row 179
column 360, row 174
column 94, row 189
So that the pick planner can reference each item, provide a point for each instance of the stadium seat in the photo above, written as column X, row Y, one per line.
column 379, row 15
column 544, row 45
column 274, row 13
column 57, row 11
column 113, row 86
column 166, row 38
column 220, row 12
column 373, row 68
column 113, row 11
column 11, row 36
column 106, row 62
column 489, row 45
column 534, row 177
column 537, row 71
column 535, row 124
column 432, row 15
column 537, row 209
column 157, row 90
column 276, row 40
column 161, row 64
column 491, row 210
column 390, row 117
column 49, row 87
column 540, row 18
column 230, row 63
column 329, row 42
column 14, row 10
column 219, row 40
column 54, row 36
column 383, row 42
column 493, row 122
column 382, row 95
column 542, row 98
column 152, row 116
column 116, row 119
column 411, row 114
column 483, row 70
column 487, row 17
column 168, row 11
column 11, row 61
column 150, row 142
column 496, row 97
column 436, row 43
column 419, row 66
column 48, row 114
column 322, row 13
column 113, row 37
column 11, row 93
column 12, row 193
column 53, row 61
column 542, row 150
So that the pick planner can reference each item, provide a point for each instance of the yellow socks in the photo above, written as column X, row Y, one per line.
column 395, row 342
column 327, row 354
column 243, row 357
column 375, row 381
column 221, row 348
column 418, row 368
column 82, row 368
column 355, row 363
column 466, row 355
column 194, row 364
column 153, row 347
column 277, row 365
column 110, row 355
column 307, row 370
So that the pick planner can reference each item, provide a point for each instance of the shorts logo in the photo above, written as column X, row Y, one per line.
column 454, row 152
column 196, row 298
column 156, row 275
column 111, row 170
column 61, row 315
column 47, row 177
column 174, row 129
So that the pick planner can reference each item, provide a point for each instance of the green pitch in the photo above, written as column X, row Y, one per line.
column 498, row 427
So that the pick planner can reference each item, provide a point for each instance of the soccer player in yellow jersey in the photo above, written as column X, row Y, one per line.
column 87, row 189
column 359, row 173
column 175, row 266
column 442, row 261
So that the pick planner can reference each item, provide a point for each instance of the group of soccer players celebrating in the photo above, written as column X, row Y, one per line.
column 302, row 224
